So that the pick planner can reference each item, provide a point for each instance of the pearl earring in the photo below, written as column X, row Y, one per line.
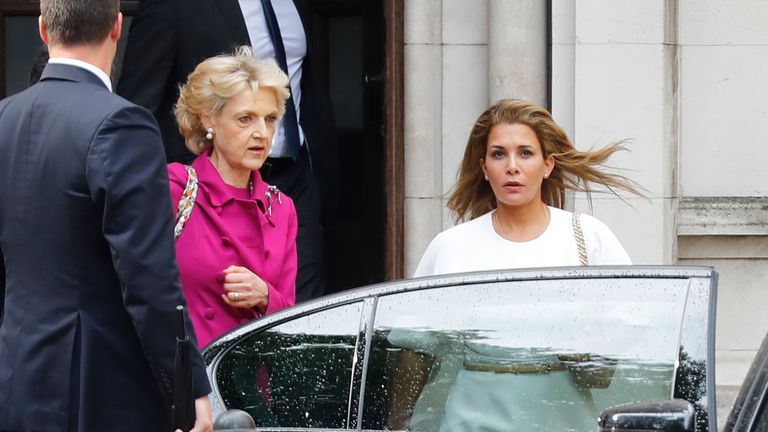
column 486, row 178
column 209, row 134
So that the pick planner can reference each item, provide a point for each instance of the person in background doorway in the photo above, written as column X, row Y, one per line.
column 168, row 38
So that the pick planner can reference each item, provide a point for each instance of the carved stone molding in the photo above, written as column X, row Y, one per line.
column 723, row 216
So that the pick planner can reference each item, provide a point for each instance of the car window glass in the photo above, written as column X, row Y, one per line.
column 296, row 374
column 525, row 355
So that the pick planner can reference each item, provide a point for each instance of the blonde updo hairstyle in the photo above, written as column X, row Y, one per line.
column 574, row 170
column 215, row 81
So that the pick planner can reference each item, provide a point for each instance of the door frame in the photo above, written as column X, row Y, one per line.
column 394, row 138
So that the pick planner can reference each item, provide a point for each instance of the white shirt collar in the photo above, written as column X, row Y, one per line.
column 84, row 65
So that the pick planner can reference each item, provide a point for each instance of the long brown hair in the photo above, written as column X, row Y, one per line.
column 574, row 170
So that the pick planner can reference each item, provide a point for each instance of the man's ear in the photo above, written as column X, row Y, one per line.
column 42, row 29
column 117, row 29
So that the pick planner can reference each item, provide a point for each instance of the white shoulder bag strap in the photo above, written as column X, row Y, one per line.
column 578, row 234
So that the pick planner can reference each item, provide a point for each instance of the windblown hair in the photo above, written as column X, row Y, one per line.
column 215, row 81
column 574, row 170
column 78, row 22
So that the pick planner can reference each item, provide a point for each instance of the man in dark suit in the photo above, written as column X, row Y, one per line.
column 87, row 335
column 168, row 38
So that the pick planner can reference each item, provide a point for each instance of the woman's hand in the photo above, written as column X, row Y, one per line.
column 243, row 289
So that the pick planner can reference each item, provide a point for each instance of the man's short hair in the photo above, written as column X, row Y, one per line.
column 78, row 22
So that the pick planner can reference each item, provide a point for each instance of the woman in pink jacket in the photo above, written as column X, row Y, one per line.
column 236, row 235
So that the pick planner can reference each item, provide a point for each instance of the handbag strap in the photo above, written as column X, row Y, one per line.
column 186, row 203
column 578, row 234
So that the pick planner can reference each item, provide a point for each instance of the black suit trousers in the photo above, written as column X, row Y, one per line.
column 295, row 179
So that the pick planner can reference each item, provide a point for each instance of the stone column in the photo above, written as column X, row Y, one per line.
column 517, row 50
column 423, row 126
column 465, row 83
column 563, row 48
column 446, row 88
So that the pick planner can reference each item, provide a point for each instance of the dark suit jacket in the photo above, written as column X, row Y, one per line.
column 87, row 340
column 168, row 38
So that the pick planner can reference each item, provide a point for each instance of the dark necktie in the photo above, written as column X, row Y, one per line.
column 290, row 122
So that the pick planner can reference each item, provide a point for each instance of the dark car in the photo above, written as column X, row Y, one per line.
column 533, row 350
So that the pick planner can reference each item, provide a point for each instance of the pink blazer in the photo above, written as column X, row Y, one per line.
column 228, row 227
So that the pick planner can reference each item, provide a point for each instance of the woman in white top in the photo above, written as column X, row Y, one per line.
column 511, row 190
column 516, row 168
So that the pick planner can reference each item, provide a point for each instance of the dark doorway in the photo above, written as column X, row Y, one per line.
column 352, row 37
column 361, row 42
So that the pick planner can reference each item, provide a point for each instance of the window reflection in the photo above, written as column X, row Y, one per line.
column 691, row 379
column 534, row 356
column 691, row 385
column 297, row 374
